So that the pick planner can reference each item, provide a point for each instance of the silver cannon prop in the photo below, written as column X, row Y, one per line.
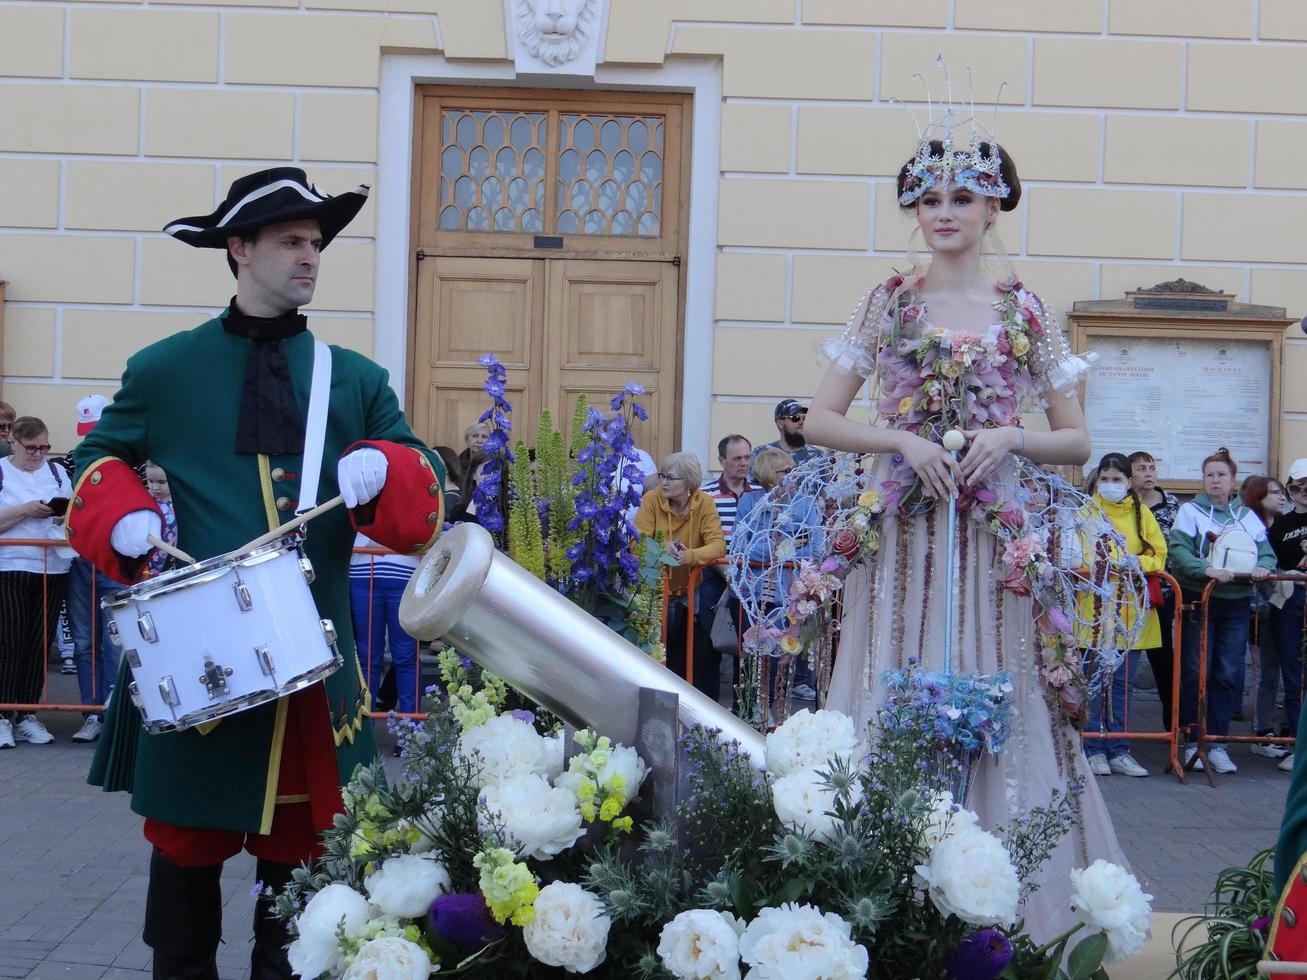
column 491, row 609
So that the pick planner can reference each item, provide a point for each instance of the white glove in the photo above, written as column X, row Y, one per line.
column 361, row 475
column 129, row 535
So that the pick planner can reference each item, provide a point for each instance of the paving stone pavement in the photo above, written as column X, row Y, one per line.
column 73, row 862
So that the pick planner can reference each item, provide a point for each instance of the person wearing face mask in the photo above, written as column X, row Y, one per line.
column 1142, row 538
column 1197, row 525
column 1266, row 498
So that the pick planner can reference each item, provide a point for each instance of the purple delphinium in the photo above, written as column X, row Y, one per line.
column 982, row 956
column 464, row 920
column 609, row 482
column 486, row 493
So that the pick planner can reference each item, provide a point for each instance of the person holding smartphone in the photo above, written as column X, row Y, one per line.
column 32, row 577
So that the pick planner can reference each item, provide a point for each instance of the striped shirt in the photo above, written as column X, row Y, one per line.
column 727, row 502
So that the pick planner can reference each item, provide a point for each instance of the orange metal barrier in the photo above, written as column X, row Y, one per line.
column 1201, row 738
column 1173, row 736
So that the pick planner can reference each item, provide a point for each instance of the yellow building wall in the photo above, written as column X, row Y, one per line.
column 1155, row 139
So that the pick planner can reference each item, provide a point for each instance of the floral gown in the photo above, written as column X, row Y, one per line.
column 931, row 380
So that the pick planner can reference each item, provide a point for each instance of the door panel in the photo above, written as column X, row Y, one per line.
column 466, row 308
column 609, row 323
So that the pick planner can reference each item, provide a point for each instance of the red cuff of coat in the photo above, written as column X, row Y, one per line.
column 410, row 510
column 107, row 491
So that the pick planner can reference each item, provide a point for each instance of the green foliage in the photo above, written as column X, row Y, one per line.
column 638, row 616
column 554, row 471
column 577, row 436
column 526, row 544
column 1227, row 940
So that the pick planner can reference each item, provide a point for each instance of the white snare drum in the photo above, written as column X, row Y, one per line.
column 221, row 636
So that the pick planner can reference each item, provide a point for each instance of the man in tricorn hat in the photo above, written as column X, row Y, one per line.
column 222, row 409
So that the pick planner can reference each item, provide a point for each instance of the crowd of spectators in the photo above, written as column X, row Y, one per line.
column 698, row 518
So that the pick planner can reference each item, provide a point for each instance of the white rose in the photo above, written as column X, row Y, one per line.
column 316, row 950
column 389, row 958
column 945, row 819
column 1108, row 897
column 570, row 928
column 804, row 802
column 800, row 941
column 700, row 944
column 543, row 819
column 405, row 885
column 970, row 875
column 505, row 747
column 811, row 739
column 623, row 761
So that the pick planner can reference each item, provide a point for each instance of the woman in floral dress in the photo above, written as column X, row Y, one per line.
column 948, row 348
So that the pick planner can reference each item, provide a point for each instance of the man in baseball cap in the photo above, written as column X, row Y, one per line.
column 789, row 416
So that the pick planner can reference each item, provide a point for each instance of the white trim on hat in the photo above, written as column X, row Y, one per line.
column 1297, row 470
column 308, row 193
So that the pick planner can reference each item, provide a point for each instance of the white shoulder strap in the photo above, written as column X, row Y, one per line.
column 315, row 429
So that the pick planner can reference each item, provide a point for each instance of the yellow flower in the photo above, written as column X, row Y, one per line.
column 790, row 644
column 948, row 367
column 868, row 498
column 509, row 888
column 623, row 824
column 1020, row 345
column 611, row 808
column 905, row 404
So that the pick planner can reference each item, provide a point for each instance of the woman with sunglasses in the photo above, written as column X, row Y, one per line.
column 32, row 578
column 1289, row 539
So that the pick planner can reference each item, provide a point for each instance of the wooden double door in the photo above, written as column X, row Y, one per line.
column 550, row 233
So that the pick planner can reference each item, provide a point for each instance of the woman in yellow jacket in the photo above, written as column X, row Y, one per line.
column 693, row 531
column 1143, row 537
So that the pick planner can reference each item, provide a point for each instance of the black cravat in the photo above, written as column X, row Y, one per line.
column 270, row 419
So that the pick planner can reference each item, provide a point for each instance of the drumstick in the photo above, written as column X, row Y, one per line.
column 166, row 548
column 291, row 524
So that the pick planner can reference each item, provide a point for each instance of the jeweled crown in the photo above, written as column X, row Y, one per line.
column 976, row 166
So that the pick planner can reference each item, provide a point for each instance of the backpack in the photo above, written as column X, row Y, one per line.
column 1232, row 547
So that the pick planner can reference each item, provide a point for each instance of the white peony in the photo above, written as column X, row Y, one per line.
column 505, row 747
column 969, row 874
column 543, row 819
column 1108, row 897
column 800, row 942
column 390, row 958
column 945, row 819
column 811, row 739
column 405, row 885
column 623, row 761
column 700, row 944
column 317, row 950
column 803, row 802
column 570, row 928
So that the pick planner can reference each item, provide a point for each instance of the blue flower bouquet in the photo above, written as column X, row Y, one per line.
column 965, row 715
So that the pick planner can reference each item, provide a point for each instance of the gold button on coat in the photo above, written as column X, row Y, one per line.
column 278, row 474
column 283, row 503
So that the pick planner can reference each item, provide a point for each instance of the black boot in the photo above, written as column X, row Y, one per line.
column 268, row 960
column 183, row 919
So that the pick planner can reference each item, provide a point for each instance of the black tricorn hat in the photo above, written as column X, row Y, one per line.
column 270, row 197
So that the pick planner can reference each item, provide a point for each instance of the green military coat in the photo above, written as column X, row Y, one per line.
column 178, row 407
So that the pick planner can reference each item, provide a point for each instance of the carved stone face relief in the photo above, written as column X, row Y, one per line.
column 555, row 30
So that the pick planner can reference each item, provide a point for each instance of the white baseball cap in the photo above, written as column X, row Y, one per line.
column 88, row 412
column 1298, row 470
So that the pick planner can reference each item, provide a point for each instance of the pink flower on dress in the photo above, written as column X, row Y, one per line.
column 1009, row 285
column 1020, row 552
column 1053, row 621
column 1032, row 320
